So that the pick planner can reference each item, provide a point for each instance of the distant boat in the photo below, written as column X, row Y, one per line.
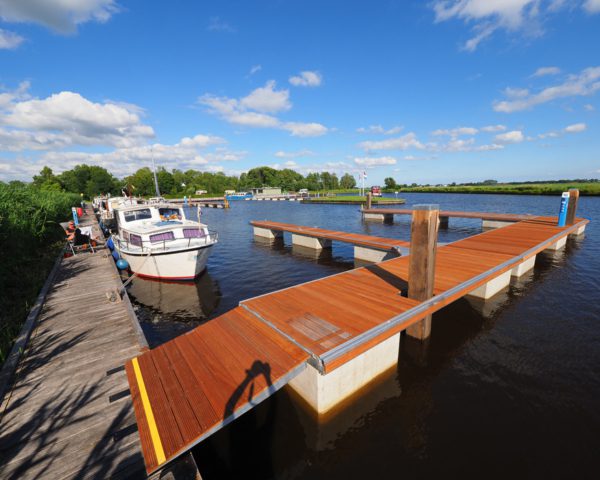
column 238, row 196
column 158, row 241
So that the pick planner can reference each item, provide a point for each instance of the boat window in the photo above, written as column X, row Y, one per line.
column 169, row 213
column 161, row 237
column 143, row 214
column 192, row 233
column 135, row 240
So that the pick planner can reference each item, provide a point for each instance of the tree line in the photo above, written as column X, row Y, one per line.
column 92, row 180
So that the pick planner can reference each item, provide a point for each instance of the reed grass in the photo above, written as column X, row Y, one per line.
column 30, row 240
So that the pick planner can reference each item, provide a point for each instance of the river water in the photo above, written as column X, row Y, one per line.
column 509, row 388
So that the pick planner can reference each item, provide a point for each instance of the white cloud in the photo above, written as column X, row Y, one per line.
column 456, row 132
column 255, row 110
column 576, row 128
column 66, row 118
column 514, row 136
column 255, row 69
column 592, row 6
column 493, row 128
column 374, row 161
column 307, row 79
column 488, row 16
column 481, row 33
column 380, row 129
column 59, row 15
column 542, row 71
column 298, row 129
column 589, row 107
column 9, row 40
column 267, row 100
column 216, row 24
column 189, row 152
column 584, row 84
column 400, row 143
column 301, row 153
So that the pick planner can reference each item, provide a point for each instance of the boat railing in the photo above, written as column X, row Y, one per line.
column 163, row 245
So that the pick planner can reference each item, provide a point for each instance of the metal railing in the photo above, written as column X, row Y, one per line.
column 166, row 245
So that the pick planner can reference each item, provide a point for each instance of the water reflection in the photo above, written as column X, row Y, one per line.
column 167, row 309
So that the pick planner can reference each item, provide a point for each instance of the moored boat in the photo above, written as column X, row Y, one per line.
column 159, row 241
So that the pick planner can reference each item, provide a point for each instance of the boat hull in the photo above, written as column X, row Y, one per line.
column 179, row 265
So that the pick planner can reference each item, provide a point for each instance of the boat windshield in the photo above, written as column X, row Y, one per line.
column 143, row 214
column 169, row 213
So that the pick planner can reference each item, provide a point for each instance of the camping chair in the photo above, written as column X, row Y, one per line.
column 80, row 248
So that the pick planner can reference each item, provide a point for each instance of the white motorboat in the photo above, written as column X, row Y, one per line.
column 159, row 241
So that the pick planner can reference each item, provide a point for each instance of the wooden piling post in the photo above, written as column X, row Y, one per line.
column 572, row 208
column 369, row 200
column 421, row 269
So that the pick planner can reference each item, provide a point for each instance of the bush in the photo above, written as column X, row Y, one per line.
column 30, row 238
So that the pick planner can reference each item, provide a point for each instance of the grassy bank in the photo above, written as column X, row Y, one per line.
column 354, row 199
column 585, row 188
column 30, row 240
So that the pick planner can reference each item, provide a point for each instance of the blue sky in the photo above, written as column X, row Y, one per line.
column 426, row 92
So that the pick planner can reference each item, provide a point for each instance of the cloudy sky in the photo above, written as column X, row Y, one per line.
column 424, row 91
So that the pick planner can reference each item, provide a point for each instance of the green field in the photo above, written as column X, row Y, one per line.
column 585, row 188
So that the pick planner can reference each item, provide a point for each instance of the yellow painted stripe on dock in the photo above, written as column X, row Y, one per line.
column 158, row 448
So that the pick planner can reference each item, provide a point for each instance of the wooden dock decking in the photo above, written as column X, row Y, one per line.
column 188, row 388
column 370, row 241
column 69, row 413
column 498, row 217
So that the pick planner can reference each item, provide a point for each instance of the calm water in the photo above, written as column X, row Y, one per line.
column 510, row 389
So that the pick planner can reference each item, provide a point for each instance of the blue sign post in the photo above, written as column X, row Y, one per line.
column 564, row 205
column 75, row 218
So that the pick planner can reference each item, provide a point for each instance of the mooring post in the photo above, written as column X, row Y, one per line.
column 369, row 200
column 421, row 268
column 572, row 208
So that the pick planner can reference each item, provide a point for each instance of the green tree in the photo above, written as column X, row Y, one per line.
column 390, row 183
column 347, row 181
column 262, row 177
column 46, row 180
column 142, row 182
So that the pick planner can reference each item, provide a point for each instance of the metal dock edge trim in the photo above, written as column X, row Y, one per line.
column 314, row 359
column 415, row 311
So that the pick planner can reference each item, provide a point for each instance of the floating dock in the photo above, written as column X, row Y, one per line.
column 327, row 338
column 489, row 220
column 366, row 247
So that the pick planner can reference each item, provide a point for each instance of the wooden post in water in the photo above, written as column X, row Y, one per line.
column 572, row 208
column 369, row 200
column 421, row 269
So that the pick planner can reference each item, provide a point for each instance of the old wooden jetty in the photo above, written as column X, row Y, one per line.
column 366, row 247
column 326, row 338
column 215, row 202
column 66, row 412
column 489, row 219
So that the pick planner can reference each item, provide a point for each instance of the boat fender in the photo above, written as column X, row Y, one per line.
column 110, row 244
column 122, row 264
column 115, row 255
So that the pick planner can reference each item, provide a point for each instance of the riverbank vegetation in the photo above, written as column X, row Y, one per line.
column 94, row 180
column 585, row 186
column 30, row 240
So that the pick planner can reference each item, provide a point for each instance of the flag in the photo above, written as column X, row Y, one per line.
column 364, row 174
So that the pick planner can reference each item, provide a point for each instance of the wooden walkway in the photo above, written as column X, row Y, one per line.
column 69, row 413
column 498, row 217
column 369, row 241
column 188, row 388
